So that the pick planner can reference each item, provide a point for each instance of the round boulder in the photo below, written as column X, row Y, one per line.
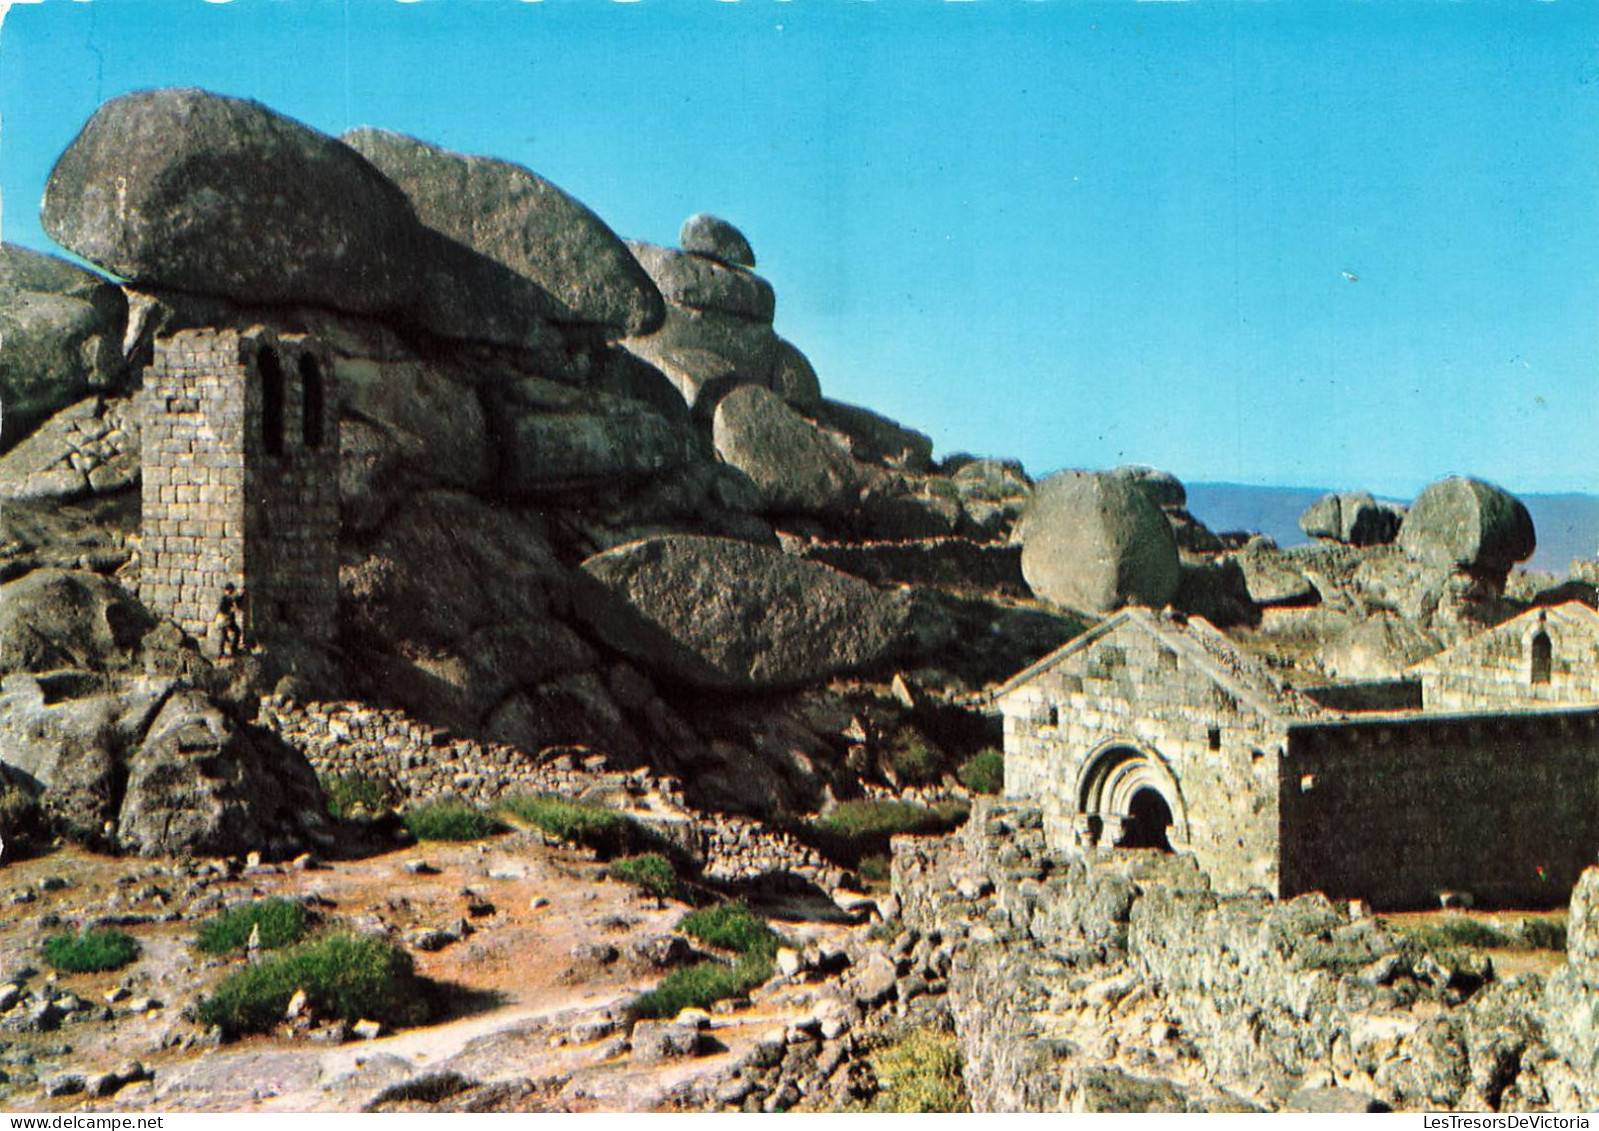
column 62, row 327
column 1351, row 517
column 523, row 222
column 222, row 196
column 713, row 237
column 747, row 617
column 1096, row 542
column 1470, row 524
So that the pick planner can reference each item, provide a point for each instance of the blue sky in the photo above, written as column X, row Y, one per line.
column 1337, row 243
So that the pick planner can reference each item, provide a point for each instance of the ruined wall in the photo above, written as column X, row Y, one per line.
column 240, row 481
column 1505, row 807
column 1494, row 670
column 1131, row 688
column 1119, row 981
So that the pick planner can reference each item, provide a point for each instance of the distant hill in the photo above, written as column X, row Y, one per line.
column 1567, row 525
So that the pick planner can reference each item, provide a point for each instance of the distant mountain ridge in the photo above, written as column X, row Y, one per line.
column 1567, row 524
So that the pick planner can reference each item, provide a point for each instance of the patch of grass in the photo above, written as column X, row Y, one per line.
column 21, row 814
column 701, row 986
column 282, row 922
column 731, row 926
column 1463, row 932
column 915, row 758
column 877, row 869
column 862, row 819
column 345, row 791
column 354, row 977
column 651, row 873
column 574, row 822
column 89, row 952
column 450, row 820
column 920, row 1071
column 983, row 772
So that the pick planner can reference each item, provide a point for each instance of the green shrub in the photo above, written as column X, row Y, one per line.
column 920, row 1072
column 283, row 922
column 983, row 772
column 89, row 952
column 701, row 986
column 21, row 815
column 353, row 977
column 345, row 791
column 450, row 820
column 857, row 820
column 1543, row 933
column 914, row 757
column 651, row 872
column 574, row 822
column 731, row 926
column 878, row 869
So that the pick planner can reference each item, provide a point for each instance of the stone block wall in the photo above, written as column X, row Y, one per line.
column 1493, row 670
column 1503, row 806
column 1132, row 690
column 240, row 481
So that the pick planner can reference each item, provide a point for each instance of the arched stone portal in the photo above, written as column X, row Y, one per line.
column 1128, row 798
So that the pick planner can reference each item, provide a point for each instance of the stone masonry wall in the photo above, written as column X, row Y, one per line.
column 193, row 409
column 219, row 505
column 1133, row 689
column 1504, row 806
column 1492, row 671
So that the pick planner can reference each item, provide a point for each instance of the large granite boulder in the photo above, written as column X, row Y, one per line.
column 713, row 237
column 1096, row 542
column 706, row 352
column 1351, row 517
column 1468, row 524
column 755, row 617
column 90, row 448
column 555, row 438
column 62, row 328
column 873, row 438
column 204, row 785
column 796, row 468
column 518, row 219
column 406, row 424
column 214, row 195
column 794, row 378
column 699, row 283
column 56, row 618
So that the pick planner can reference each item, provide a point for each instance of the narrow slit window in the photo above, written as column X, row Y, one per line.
column 1542, row 657
column 271, row 402
column 313, row 399
column 1054, row 716
column 1213, row 736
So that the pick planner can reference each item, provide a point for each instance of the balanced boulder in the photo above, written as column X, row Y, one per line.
column 713, row 237
column 755, row 617
column 1096, row 542
column 1469, row 524
column 795, row 467
column 62, row 328
column 705, row 284
column 518, row 219
column 1351, row 517
column 213, row 195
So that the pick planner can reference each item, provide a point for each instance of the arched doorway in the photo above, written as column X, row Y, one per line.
column 1128, row 798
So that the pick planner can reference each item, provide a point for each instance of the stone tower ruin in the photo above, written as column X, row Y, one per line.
column 240, row 468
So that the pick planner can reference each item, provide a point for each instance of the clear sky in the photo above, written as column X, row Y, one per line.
column 1318, row 242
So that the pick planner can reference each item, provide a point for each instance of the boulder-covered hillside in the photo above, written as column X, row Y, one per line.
column 589, row 498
